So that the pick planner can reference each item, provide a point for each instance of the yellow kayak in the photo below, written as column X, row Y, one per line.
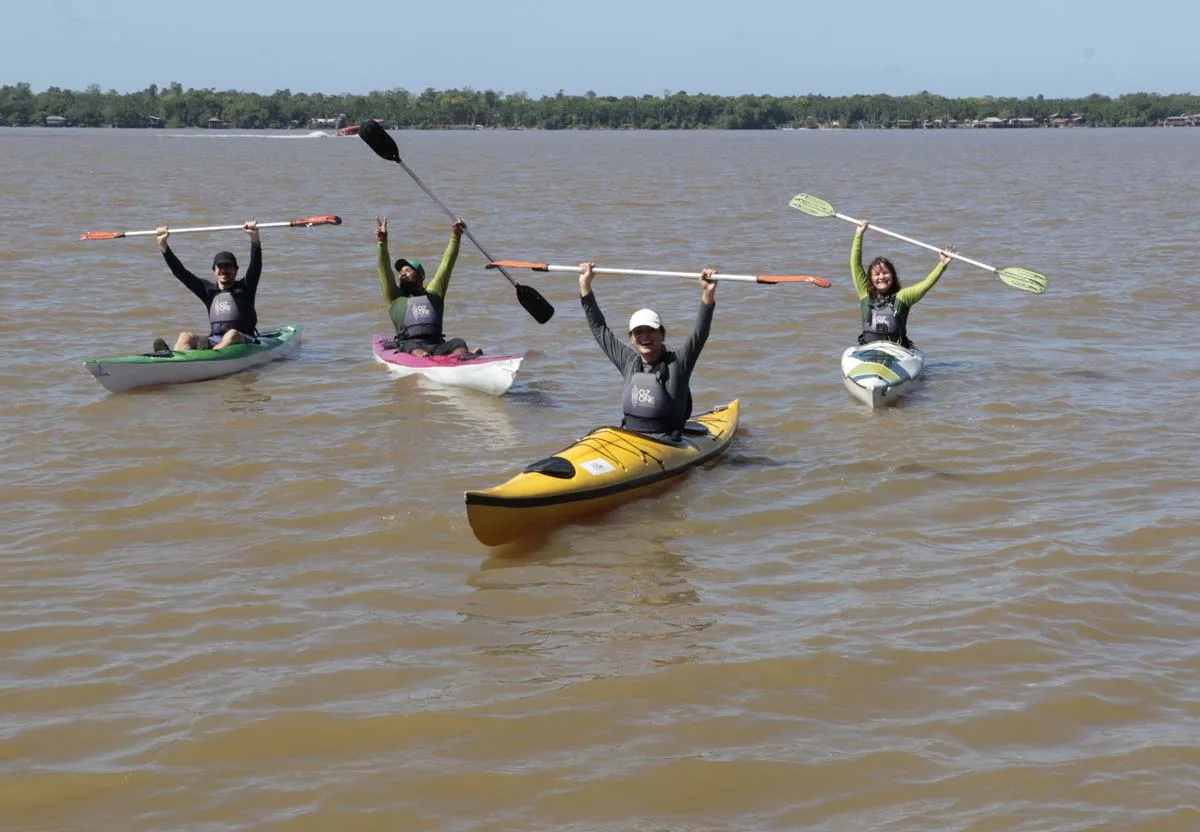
column 604, row 469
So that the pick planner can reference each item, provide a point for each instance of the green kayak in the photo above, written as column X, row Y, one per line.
column 130, row 371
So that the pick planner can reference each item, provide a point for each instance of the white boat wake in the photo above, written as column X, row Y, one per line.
column 314, row 134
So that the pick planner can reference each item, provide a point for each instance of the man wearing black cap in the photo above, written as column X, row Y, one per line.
column 230, row 302
column 416, row 310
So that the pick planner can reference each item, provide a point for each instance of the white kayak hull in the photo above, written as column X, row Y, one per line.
column 881, row 373
column 491, row 374
column 118, row 375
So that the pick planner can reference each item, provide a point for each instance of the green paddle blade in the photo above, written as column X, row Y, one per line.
column 1024, row 279
column 811, row 205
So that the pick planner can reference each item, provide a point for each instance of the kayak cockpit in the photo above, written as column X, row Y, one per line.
column 552, row 466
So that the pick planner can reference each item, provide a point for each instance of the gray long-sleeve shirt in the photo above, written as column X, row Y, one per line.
column 674, row 369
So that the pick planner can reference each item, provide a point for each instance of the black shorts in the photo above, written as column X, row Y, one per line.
column 444, row 348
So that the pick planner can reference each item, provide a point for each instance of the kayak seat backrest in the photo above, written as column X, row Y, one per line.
column 552, row 466
column 695, row 429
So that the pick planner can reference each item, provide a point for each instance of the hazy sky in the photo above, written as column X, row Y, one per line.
column 957, row 48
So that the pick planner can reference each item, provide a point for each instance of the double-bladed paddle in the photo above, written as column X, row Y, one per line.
column 378, row 140
column 769, row 279
column 1029, row 281
column 328, row 219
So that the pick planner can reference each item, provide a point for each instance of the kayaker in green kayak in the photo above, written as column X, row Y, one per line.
column 883, row 303
column 230, row 302
column 657, row 399
column 417, row 310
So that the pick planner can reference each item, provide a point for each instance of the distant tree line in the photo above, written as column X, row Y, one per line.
column 177, row 107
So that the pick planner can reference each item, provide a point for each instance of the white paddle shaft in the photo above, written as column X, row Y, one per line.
column 916, row 242
column 206, row 228
column 446, row 210
column 749, row 278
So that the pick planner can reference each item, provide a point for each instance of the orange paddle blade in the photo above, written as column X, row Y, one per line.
column 102, row 235
column 328, row 219
column 791, row 278
column 517, row 264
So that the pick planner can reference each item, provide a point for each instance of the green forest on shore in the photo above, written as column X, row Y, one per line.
column 174, row 106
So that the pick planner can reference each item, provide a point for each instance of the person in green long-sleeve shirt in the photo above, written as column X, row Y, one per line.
column 416, row 309
column 883, row 303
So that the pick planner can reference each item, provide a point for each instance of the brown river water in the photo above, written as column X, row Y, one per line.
column 256, row 604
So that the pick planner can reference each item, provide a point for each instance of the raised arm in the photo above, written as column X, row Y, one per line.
column 387, row 278
column 856, row 267
column 912, row 294
column 194, row 284
column 254, row 270
column 618, row 353
column 441, row 280
column 692, row 347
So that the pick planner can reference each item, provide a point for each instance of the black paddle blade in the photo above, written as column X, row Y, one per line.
column 377, row 139
column 534, row 303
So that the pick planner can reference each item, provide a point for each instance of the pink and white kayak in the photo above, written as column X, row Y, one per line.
column 491, row 374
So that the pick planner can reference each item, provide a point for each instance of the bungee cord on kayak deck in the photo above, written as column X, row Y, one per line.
column 623, row 444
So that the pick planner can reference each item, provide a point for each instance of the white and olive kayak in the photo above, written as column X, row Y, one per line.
column 604, row 469
column 880, row 373
column 131, row 371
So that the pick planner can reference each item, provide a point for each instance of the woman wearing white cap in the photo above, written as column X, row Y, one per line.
column 656, row 399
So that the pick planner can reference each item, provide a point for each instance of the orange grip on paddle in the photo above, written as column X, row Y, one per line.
column 102, row 235
column 328, row 219
column 517, row 264
column 791, row 278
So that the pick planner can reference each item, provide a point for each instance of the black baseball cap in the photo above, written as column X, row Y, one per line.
column 225, row 257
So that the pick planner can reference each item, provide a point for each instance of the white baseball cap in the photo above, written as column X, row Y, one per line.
column 645, row 317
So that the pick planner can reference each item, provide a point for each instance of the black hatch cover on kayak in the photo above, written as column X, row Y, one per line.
column 552, row 466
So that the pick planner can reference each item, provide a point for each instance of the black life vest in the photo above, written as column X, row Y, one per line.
column 884, row 319
column 225, row 313
column 421, row 319
column 646, row 404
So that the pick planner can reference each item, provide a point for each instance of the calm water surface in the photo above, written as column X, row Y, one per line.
column 256, row 604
